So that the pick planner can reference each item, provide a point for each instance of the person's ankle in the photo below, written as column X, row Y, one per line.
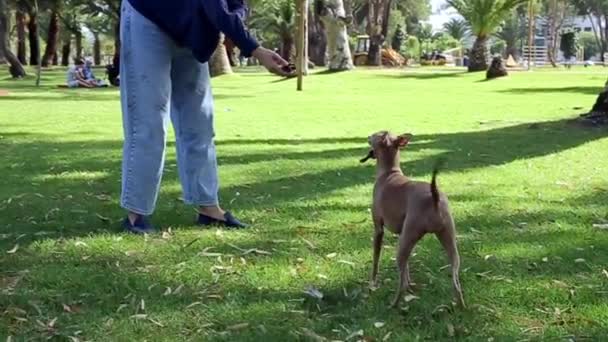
column 133, row 217
column 213, row 211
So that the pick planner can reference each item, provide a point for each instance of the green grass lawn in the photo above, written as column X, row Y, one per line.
column 526, row 188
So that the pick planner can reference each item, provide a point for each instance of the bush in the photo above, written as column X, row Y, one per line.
column 498, row 47
column 396, row 21
column 412, row 48
column 444, row 41
column 589, row 44
column 569, row 44
column 398, row 39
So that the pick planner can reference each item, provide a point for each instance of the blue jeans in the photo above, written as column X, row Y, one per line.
column 161, row 81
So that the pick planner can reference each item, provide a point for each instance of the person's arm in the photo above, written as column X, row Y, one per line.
column 238, row 7
column 227, row 16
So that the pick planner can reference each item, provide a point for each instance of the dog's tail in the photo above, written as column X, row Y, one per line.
column 434, row 189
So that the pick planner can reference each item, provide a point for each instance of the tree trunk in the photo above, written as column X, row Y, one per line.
column 21, row 49
column 116, row 58
column 66, row 50
column 78, row 40
column 335, row 21
column 552, row 33
column 96, row 49
column 229, row 45
column 478, row 60
column 600, row 43
column 16, row 68
column 377, row 28
column 374, row 55
column 55, row 58
column 219, row 63
column 317, row 41
column 497, row 69
column 32, row 28
column 287, row 47
column 51, row 42
column 513, row 51
column 599, row 112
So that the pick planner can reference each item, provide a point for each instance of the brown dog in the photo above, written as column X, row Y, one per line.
column 409, row 209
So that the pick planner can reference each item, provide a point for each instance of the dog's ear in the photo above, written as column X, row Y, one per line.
column 403, row 140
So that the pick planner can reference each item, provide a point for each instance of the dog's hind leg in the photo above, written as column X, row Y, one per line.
column 377, row 250
column 407, row 240
column 447, row 237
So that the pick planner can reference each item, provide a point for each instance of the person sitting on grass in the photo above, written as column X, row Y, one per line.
column 76, row 77
column 89, row 76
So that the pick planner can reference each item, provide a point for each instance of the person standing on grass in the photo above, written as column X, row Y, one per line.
column 165, row 49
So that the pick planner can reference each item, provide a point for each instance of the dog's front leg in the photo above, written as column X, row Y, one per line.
column 377, row 251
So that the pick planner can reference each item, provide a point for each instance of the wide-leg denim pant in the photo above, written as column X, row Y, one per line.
column 161, row 81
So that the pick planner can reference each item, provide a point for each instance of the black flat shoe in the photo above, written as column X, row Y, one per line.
column 229, row 221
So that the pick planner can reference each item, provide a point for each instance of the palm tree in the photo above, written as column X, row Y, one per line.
column 278, row 17
column 484, row 17
column 512, row 31
column 457, row 28
column 219, row 64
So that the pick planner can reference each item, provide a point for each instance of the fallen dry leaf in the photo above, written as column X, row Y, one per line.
column 387, row 336
column 73, row 338
column 102, row 218
column 489, row 257
column 313, row 292
column 410, row 297
column 13, row 250
column 67, row 308
column 322, row 276
column 545, row 259
column 346, row 262
column 167, row 292
column 355, row 334
column 142, row 305
column 139, row 316
column 80, row 244
column 451, row 330
column 120, row 307
column 331, row 255
column 194, row 304
column 560, row 283
column 605, row 273
column 52, row 323
column 239, row 326
column 178, row 289
column 579, row 260
column 379, row 324
column 603, row 226
column 313, row 335
column 310, row 244
column 156, row 322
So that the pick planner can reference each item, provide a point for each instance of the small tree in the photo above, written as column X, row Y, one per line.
column 569, row 44
column 398, row 38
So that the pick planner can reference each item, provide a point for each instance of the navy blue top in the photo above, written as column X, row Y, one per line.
column 196, row 24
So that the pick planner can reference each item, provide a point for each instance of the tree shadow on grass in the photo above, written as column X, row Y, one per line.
column 41, row 175
column 587, row 90
column 111, row 284
column 425, row 75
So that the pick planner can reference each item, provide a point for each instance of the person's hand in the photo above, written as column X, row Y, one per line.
column 273, row 62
